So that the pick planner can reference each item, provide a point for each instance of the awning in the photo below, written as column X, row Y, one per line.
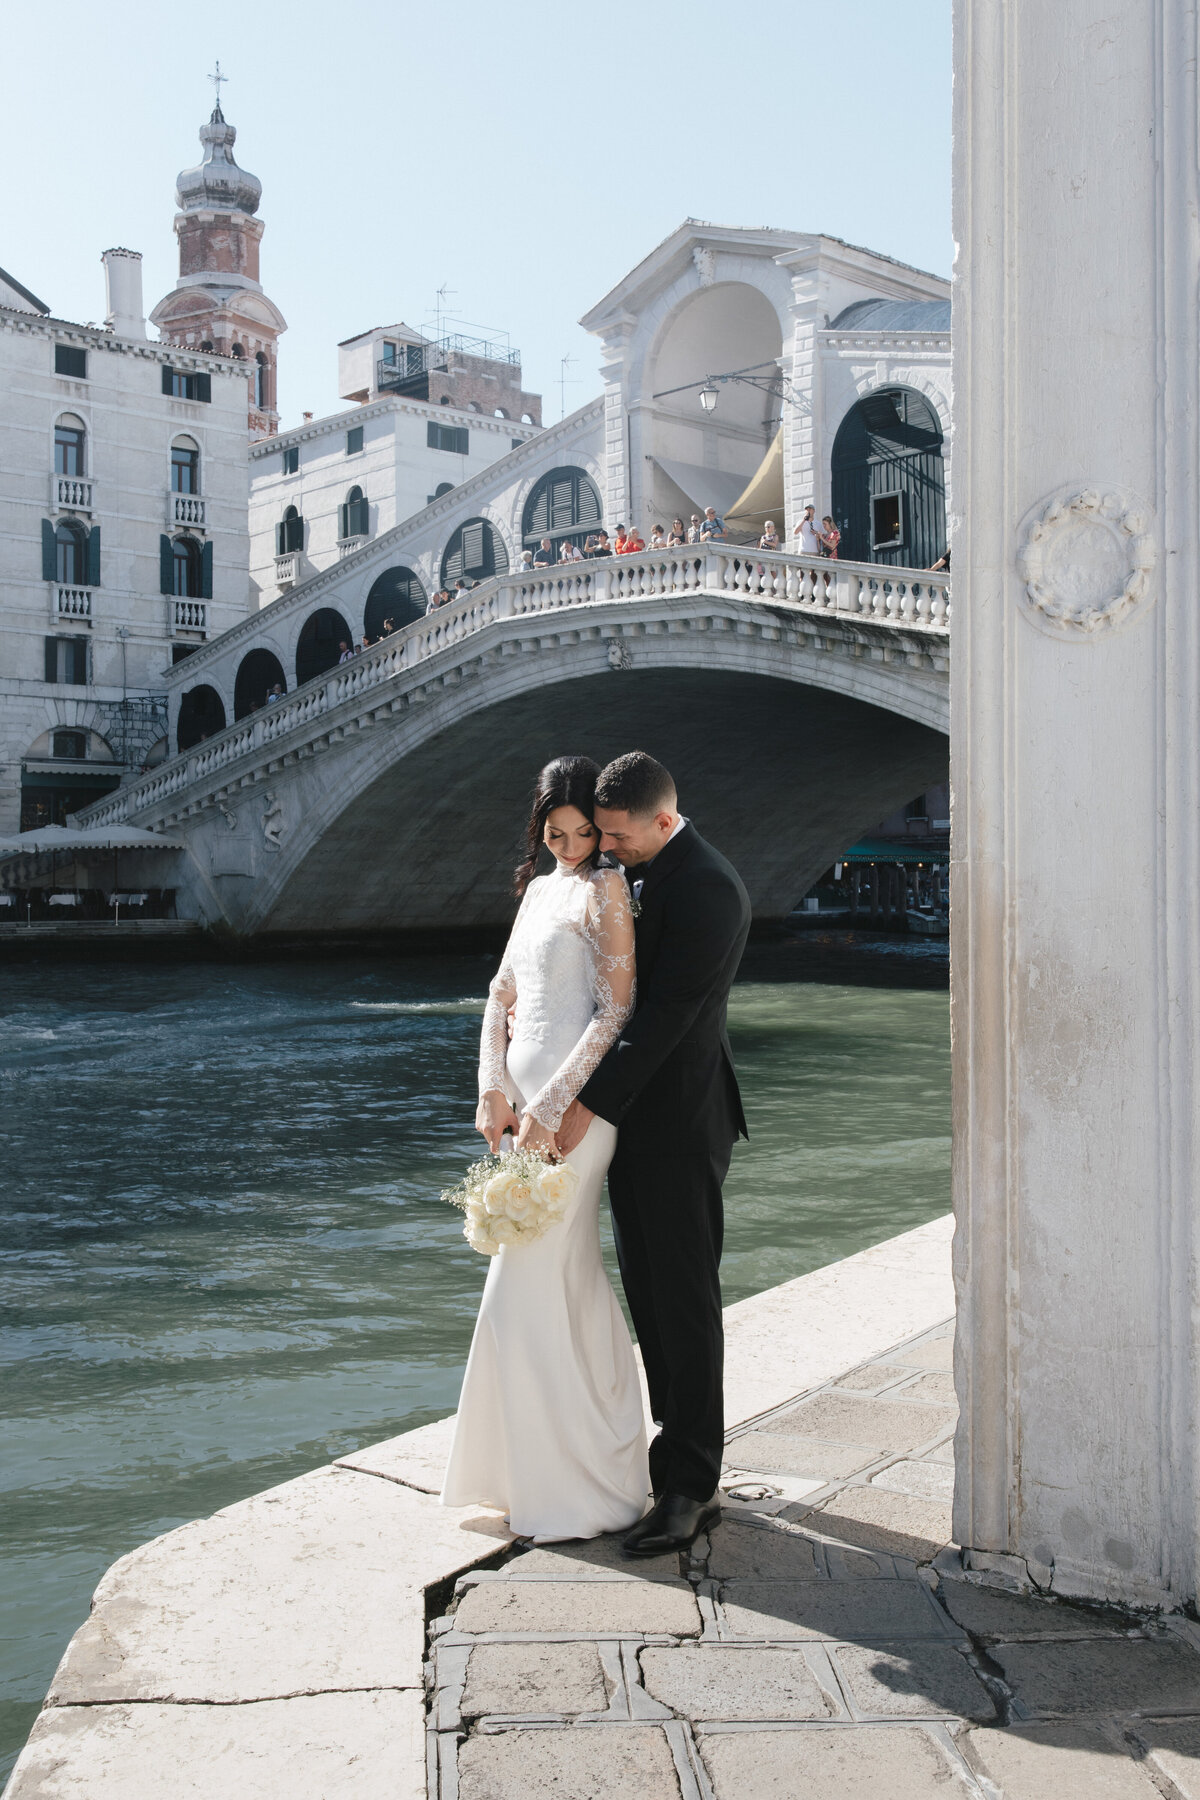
column 703, row 487
column 879, row 850
column 73, row 841
column 762, row 497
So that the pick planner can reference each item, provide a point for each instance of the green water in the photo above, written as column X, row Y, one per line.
column 225, row 1260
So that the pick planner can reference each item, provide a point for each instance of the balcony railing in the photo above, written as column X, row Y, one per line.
column 287, row 568
column 185, row 509
column 347, row 546
column 190, row 615
column 72, row 602
column 71, row 493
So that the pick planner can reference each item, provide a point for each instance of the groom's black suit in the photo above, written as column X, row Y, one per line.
column 668, row 1083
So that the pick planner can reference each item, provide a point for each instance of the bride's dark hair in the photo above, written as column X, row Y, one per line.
column 567, row 781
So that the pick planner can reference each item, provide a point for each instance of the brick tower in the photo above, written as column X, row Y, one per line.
column 218, row 303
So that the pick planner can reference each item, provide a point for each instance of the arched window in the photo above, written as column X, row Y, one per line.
column 527, row 418
column 446, row 400
column 289, row 533
column 238, row 351
column 475, row 552
column 260, row 380
column 206, row 346
column 70, row 442
column 443, row 487
column 889, row 482
column 354, row 515
column 500, row 413
column 258, row 673
column 321, row 642
column 562, row 504
column 186, row 568
column 70, row 550
column 396, row 595
column 185, row 466
column 201, row 715
column 475, row 406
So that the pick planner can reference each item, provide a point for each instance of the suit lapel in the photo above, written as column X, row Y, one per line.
column 668, row 860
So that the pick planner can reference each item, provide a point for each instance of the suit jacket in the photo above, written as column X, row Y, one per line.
column 668, row 1081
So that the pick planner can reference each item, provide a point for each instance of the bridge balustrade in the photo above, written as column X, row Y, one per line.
column 912, row 599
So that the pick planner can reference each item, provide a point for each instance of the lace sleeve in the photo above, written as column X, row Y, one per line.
column 493, row 1042
column 608, row 928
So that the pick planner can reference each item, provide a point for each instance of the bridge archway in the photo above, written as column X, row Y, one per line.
column 889, row 480
column 258, row 672
column 201, row 715
column 476, row 552
column 396, row 594
column 563, row 504
column 317, row 647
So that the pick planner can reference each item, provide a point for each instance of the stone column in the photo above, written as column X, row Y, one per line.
column 1076, row 730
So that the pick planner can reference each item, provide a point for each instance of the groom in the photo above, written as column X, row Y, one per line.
column 668, row 1083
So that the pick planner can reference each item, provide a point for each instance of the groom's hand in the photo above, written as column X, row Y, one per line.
column 575, row 1122
column 494, row 1116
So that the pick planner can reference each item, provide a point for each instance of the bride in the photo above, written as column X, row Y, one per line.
column 550, row 1427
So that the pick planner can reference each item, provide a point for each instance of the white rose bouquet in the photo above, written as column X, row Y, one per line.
column 512, row 1199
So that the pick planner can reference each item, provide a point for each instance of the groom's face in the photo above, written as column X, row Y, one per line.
column 633, row 839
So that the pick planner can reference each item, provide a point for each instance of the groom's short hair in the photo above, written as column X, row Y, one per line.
column 637, row 785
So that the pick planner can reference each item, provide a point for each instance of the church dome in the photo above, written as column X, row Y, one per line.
column 893, row 315
column 217, row 183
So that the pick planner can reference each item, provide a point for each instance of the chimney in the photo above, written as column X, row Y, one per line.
column 123, row 280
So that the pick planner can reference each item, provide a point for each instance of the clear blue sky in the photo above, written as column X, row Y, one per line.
column 525, row 156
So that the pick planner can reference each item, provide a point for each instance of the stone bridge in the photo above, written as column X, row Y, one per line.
column 797, row 703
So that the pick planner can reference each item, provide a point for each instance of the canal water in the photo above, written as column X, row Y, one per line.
column 225, row 1256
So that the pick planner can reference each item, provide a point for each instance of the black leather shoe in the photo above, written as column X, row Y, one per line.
column 673, row 1522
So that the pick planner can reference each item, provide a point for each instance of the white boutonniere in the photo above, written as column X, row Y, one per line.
column 635, row 907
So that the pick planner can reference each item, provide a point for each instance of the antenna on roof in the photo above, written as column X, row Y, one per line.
column 443, row 294
column 564, row 382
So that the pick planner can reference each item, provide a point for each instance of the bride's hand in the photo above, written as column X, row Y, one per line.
column 494, row 1116
column 535, row 1136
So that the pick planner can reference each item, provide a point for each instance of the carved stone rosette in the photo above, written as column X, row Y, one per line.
column 1085, row 558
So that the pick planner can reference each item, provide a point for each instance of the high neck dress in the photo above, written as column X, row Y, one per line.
column 550, row 1427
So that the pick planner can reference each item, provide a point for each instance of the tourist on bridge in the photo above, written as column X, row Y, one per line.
column 807, row 532
column 712, row 528
column 831, row 537
column 678, row 532
column 602, row 547
column 543, row 556
column 770, row 537
column 345, row 652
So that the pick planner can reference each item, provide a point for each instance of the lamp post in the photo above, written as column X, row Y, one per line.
column 708, row 397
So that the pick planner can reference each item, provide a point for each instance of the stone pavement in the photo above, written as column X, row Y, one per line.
column 822, row 1644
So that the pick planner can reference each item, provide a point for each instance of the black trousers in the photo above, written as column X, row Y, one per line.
column 668, row 1224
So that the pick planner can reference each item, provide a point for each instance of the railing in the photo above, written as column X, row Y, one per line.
column 347, row 546
column 287, row 568
column 185, row 509
column 413, row 361
column 71, row 492
column 72, row 602
column 896, row 599
column 190, row 615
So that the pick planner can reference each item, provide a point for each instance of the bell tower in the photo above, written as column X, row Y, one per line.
column 218, row 303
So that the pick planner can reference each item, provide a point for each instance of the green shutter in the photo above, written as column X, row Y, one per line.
column 166, row 567
column 167, row 379
column 93, row 557
column 344, row 520
column 203, row 387
column 206, row 566
column 49, row 552
column 51, row 659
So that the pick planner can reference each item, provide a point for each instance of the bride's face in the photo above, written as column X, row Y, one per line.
column 570, row 836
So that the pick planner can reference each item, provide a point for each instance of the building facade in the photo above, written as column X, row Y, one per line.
column 123, row 489
column 218, row 304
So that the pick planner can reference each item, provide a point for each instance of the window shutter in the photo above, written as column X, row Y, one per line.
column 203, row 385
column 359, row 517
column 206, row 567
column 344, row 520
column 51, row 659
column 166, row 566
column 432, row 436
column 472, row 549
column 279, row 543
column 93, row 557
column 462, row 439
column 167, row 379
column 49, row 552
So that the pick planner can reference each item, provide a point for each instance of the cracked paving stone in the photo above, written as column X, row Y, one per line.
column 852, row 1419
column 988, row 1613
column 830, row 1609
column 1129, row 1675
column 788, row 1453
column 619, row 1762
column 534, row 1678
column 1050, row 1762
column 583, row 1608
column 717, row 1681
column 913, row 1681
column 838, row 1762
column 1173, row 1747
column 876, row 1519
column 749, row 1553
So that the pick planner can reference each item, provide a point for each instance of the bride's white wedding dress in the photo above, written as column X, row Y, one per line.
column 550, row 1428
